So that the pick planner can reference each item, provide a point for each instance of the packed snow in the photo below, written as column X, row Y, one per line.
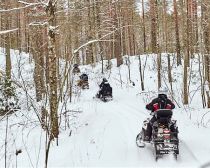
column 94, row 133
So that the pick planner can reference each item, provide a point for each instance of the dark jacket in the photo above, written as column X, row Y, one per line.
column 105, row 87
column 76, row 70
column 102, row 84
column 161, row 102
column 84, row 77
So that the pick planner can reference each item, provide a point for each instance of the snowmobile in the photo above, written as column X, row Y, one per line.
column 105, row 96
column 83, row 84
column 164, row 134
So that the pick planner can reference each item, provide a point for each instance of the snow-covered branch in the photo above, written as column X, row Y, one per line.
column 39, row 3
column 99, row 40
column 89, row 42
column 27, row 5
column 8, row 31
column 38, row 23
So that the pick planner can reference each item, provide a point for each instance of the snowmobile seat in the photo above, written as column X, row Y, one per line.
column 163, row 116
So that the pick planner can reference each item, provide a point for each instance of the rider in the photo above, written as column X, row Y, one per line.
column 84, row 77
column 104, row 87
column 161, row 102
column 83, row 81
column 76, row 69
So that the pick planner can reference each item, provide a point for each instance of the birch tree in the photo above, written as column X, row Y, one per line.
column 206, row 28
column 51, row 9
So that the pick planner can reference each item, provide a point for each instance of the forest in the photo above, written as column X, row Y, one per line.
column 51, row 36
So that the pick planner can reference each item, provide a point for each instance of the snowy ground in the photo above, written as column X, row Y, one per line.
column 103, row 134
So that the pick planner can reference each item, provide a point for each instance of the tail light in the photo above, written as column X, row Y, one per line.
column 166, row 134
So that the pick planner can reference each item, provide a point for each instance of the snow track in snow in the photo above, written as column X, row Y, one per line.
column 185, row 149
column 108, row 139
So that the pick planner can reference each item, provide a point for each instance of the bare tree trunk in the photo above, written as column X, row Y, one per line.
column 165, row 23
column 37, row 44
column 5, row 155
column 153, row 15
column 169, row 73
column 188, row 34
column 182, row 25
column 7, row 43
column 117, row 42
column 188, row 51
column 201, row 77
column 47, row 152
column 141, row 74
column 51, row 9
column 144, row 31
column 195, row 25
column 189, row 30
column 8, row 59
column 185, row 79
column 90, row 57
column 98, row 26
column 157, row 42
column 206, row 35
column 177, row 34
column 159, row 69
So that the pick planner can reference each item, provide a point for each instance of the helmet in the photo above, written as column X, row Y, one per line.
column 105, row 80
column 76, row 66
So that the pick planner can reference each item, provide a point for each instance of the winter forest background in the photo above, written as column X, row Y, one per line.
column 138, row 46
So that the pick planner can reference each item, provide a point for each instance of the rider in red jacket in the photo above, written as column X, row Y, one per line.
column 161, row 102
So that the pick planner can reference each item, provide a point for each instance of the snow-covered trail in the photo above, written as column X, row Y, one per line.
column 104, row 133
column 107, row 136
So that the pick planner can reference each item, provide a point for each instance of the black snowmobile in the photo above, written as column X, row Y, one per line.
column 105, row 92
column 83, row 82
column 85, row 85
column 105, row 96
column 164, row 135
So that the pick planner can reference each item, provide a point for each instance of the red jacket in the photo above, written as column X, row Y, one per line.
column 162, row 102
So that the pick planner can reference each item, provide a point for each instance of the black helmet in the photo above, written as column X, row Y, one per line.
column 104, row 80
column 76, row 65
